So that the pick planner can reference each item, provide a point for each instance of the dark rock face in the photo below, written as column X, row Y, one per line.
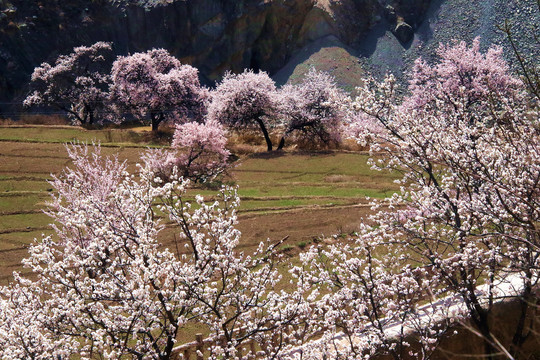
column 412, row 11
column 403, row 31
column 213, row 35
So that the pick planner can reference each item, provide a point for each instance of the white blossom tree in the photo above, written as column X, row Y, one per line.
column 462, row 230
column 103, row 287
column 367, row 303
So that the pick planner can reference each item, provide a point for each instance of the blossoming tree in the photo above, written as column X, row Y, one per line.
column 245, row 100
column 77, row 83
column 199, row 153
column 466, row 220
column 315, row 109
column 103, row 287
column 155, row 84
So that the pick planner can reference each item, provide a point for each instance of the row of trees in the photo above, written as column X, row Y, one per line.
column 466, row 138
column 155, row 86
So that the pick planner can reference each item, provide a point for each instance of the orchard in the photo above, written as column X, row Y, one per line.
column 464, row 136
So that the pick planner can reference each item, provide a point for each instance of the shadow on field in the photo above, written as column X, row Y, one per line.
column 267, row 155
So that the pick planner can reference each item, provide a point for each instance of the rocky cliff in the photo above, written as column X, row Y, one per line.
column 213, row 35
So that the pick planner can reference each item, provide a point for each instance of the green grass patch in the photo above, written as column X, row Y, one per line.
column 21, row 240
column 7, row 186
column 288, row 203
column 326, row 163
column 25, row 237
column 31, row 165
column 315, row 191
column 68, row 134
column 302, row 244
column 24, row 221
column 22, row 203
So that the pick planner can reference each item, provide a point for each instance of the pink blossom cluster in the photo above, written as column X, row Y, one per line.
column 246, row 100
column 77, row 83
column 153, row 85
column 156, row 85
column 199, row 153
column 314, row 109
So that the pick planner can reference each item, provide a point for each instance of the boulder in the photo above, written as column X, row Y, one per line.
column 403, row 31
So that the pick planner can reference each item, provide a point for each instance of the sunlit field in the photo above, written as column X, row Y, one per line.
column 303, row 195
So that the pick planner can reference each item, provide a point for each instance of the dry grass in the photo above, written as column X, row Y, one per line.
column 339, row 178
column 250, row 141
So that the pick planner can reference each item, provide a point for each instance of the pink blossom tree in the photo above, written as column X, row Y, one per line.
column 103, row 286
column 199, row 153
column 246, row 100
column 467, row 142
column 77, row 83
column 156, row 85
column 315, row 109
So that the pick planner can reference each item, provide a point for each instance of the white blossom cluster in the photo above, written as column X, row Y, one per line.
column 103, row 287
column 467, row 142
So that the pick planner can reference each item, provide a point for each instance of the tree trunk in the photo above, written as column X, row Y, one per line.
column 156, row 120
column 490, row 350
column 90, row 116
column 155, row 126
column 285, row 134
column 265, row 133
column 281, row 143
column 521, row 334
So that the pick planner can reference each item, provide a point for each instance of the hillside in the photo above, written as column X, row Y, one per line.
column 213, row 35
column 378, row 51
column 283, row 37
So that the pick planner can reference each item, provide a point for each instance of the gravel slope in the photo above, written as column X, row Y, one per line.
column 453, row 19
column 380, row 52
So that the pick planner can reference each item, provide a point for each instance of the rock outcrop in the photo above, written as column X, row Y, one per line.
column 403, row 31
column 213, row 35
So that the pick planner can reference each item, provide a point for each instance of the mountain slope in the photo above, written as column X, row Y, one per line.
column 213, row 35
column 379, row 51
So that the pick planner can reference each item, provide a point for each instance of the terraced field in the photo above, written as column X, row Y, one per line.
column 300, row 195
